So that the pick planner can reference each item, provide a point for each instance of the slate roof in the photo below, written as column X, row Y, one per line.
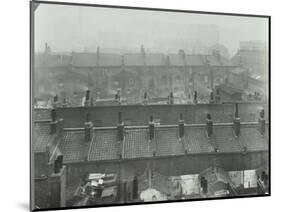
column 154, row 59
column 73, row 146
column 136, row 144
column 41, row 137
column 90, row 59
column 176, row 60
column 168, row 142
column 104, row 146
column 194, row 60
column 55, row 60
column 109, row 60
column 84, row 59
column 133, row 60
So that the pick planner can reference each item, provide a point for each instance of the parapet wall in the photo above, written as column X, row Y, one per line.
column 167, row 114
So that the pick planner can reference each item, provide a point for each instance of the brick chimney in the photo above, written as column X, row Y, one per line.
column 171, row 98
column 195, row 97
column 55, row 101
column 58, row 163
column 236, row 121
column 88, row 128
column 57, row 184
column 145, row 98
column 212, row 100
column 261, row 126
column 87, row 98
column 64, row 104
column 120, row 128
column 209, row 124
column 217, row 96
column 151, row 128
column 181, row 127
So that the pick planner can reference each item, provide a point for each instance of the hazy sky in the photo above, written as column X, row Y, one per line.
column 68, row 28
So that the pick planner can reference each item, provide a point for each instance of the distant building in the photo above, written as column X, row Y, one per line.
column 156, row 73
column 252, row 55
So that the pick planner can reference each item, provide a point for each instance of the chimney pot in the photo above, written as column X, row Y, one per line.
column 217, row 96
column 212, row 98
column 171, row 98
column 54, row 115
column 195, row 97
column 55, row 101
column 151, row 128
column 120, row 127
column 262, row 122
column 181, row 126
column 87, row 98
column 88, row 131
column 209, row 123
column 236, row 121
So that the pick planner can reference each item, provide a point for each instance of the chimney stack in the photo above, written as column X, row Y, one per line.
column 212, row 100
column 209, row 123
column 181, row 126
column 195, row 97
column 88, row 128
column 145, row 98
column 58, row 164
column 64, row 104
column 54, row 121
column 171, row 98
column 262, row 122
column 87, row 98
column 217, row 96
column 120, row 127
column 236, row 121
column 151, row 128
column 55, row 101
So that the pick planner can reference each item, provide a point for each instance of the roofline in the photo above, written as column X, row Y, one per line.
column 165, row 126
column 156, row 105
column 118, row 160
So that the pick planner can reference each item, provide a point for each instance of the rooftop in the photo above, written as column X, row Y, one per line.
column 94, row 59
column 136, row 144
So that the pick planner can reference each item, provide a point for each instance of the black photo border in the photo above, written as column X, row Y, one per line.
column 31, row 67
